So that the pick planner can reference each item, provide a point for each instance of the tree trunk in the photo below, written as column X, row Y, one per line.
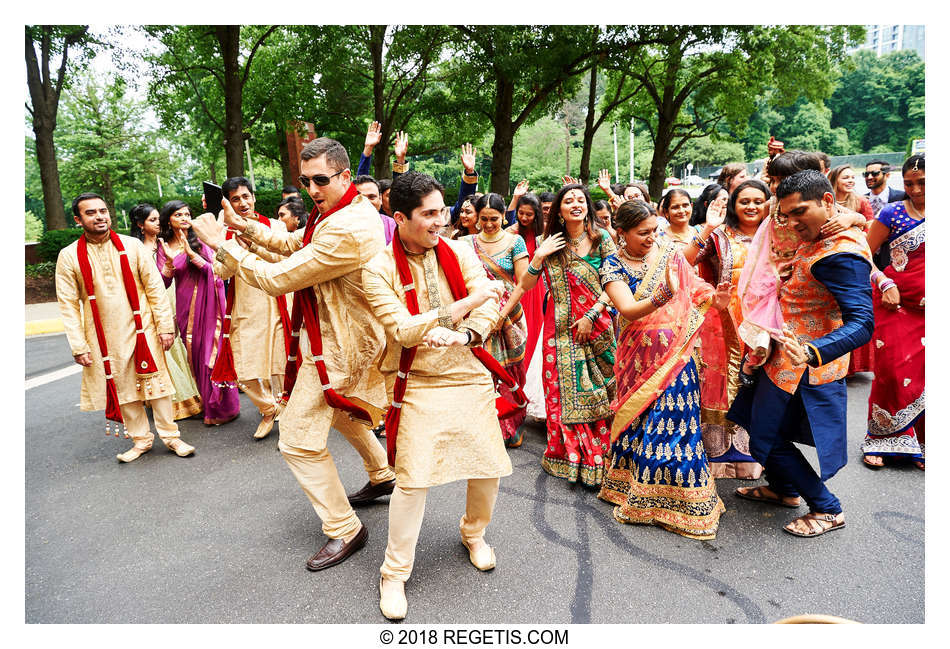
column 229, row 42
column 381, row 168
column 286, row 175
column 589, row 128
column 108, row 195
column 503, row 145
column 567, row 147
column 44, row 98
column 661, row 157
column 214, row 173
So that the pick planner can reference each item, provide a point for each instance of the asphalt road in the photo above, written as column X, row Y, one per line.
column 223, row 537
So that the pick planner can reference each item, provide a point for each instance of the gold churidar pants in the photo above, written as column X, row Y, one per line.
column 136, row 421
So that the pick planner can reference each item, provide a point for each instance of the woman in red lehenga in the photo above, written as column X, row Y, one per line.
column 578, row 341
column 896, row 405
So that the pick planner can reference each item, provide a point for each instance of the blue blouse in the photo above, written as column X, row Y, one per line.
column 897, row 220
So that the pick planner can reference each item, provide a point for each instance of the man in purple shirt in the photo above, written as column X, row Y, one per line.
column 368, row 187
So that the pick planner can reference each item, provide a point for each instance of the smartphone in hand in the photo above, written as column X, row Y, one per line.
column 213, row 197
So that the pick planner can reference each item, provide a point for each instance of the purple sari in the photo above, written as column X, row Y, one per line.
column 199, row 301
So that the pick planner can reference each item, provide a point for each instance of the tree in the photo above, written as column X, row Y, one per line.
column 703, row 77
column 514, row 74
column 45, row 89
column 105, row 146
column 204, row 69
column 880, row 99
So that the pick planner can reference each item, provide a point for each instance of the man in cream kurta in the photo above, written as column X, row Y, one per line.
column 448, row 427
column 257, row 334
column 158, row 323
column 330, row 264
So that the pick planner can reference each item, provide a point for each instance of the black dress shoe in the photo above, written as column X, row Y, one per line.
column 336, row 551
column 371, row 492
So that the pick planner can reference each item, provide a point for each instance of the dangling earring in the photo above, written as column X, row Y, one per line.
column 623, row 241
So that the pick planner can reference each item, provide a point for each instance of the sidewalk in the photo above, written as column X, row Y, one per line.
column 43, row 318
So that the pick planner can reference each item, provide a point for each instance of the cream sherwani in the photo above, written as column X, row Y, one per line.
column 448, row 428
column 116, row 314
column 352, row 340
column 257, row 338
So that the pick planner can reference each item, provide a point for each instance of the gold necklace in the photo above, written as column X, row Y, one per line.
column 639, row 265
column 575, row 243
column 484, row 239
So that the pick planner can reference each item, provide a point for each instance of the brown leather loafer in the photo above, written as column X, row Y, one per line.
column 336, row 551
column 371, row 492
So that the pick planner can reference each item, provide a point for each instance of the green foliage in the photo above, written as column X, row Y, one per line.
column 33, row 228
column 880, row 99
column 53, row 241
column 42, row 269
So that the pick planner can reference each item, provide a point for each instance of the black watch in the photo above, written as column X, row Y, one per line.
column 468, row 332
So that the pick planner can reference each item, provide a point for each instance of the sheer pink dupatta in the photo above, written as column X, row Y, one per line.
column 652, row 350
column 758, row 293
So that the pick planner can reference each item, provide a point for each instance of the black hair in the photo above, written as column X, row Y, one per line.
column 297, row 208
column 384, row 184
column 492, row 201
column 290, row 189
column 667, row 198
column 137, row 216
column 546, row 197
column 85, row 196
column 537, row 225
column 556, row 224
column 732, row 218
column 165, row 226
column 231, row 185
column 916, row 161
column 885, row 166
column 409, row 189
column 823, row 157
column 366, row 178
column 707, row 196
column 617, row 188
column 791, row 162
column 601, row 204
column 632, row 213
column 810, row 183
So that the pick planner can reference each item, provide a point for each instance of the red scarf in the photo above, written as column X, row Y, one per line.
column 224, row 373
column 449, row 264
column 306, row 312
column 144, row 363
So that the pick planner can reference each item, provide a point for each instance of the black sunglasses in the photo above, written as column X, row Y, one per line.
column 319, row 179
column 873, row 174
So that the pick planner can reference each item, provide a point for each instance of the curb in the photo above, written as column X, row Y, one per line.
column 39, row 327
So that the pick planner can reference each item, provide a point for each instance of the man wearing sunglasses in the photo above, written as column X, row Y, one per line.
column 323, row 264
column 875, row 177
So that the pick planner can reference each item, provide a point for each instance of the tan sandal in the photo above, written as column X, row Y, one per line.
column 758, row 494
column 815, row 524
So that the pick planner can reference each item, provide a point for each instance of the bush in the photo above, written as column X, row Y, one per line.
column 42, row 269
column 266, row 202
column 53, row 241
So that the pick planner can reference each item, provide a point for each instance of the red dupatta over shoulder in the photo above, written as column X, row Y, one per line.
column 305, row 312
column 449, row 264
column 145, row 366
column 652, row 350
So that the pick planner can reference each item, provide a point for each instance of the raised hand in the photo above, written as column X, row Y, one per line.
column 570, row 180
column 521, row 189
column 603, row 181
column 672, row 278
column 207, row 229
column 550, row 245
column 716, row 212
column 373, row 135
column 468, row 158
column 401, row 146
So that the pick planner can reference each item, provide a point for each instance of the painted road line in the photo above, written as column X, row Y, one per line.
column 35, row 327
column 43, row 379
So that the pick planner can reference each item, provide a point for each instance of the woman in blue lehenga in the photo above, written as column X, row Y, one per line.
column 658, row 470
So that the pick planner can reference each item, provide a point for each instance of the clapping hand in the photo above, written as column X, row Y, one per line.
column 401, row 146
column 468, row 158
